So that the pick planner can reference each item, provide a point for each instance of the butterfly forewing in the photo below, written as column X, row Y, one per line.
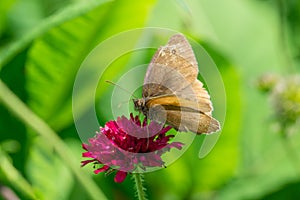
column 184, row 49
column 175, row 61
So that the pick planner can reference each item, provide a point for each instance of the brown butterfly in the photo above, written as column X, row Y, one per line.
column 172, row 93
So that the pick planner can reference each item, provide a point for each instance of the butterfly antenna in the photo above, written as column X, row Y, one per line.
column 121, row 103
column 121, row 88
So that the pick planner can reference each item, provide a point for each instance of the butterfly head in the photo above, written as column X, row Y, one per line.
column 140, row 105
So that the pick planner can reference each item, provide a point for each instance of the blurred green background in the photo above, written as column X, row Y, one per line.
column 42, row 45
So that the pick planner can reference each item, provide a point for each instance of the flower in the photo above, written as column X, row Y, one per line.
column 126, row 144
column 286, row 100
column 267, row 82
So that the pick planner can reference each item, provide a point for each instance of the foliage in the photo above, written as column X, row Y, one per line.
column 41, row 51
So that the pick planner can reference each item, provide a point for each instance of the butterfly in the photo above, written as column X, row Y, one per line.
column 172, row 94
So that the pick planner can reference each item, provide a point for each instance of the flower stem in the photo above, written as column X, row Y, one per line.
column 140, row 189
column 291, row 152
column 293, row 157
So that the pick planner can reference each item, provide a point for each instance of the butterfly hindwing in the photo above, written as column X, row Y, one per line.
column 184, row 120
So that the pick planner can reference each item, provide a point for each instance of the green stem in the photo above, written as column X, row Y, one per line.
column 11, row 174
column 12, row 102
column 293, row 157
column 140, row 190
column 290, row 151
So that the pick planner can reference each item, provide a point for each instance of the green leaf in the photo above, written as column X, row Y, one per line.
column 47, row 173
column 70, row 12
column 17, row 107
column 56, row 56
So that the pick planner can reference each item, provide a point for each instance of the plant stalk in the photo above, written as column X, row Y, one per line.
column 140, row 189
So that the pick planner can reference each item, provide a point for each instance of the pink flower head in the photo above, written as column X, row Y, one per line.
column 126, row 144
